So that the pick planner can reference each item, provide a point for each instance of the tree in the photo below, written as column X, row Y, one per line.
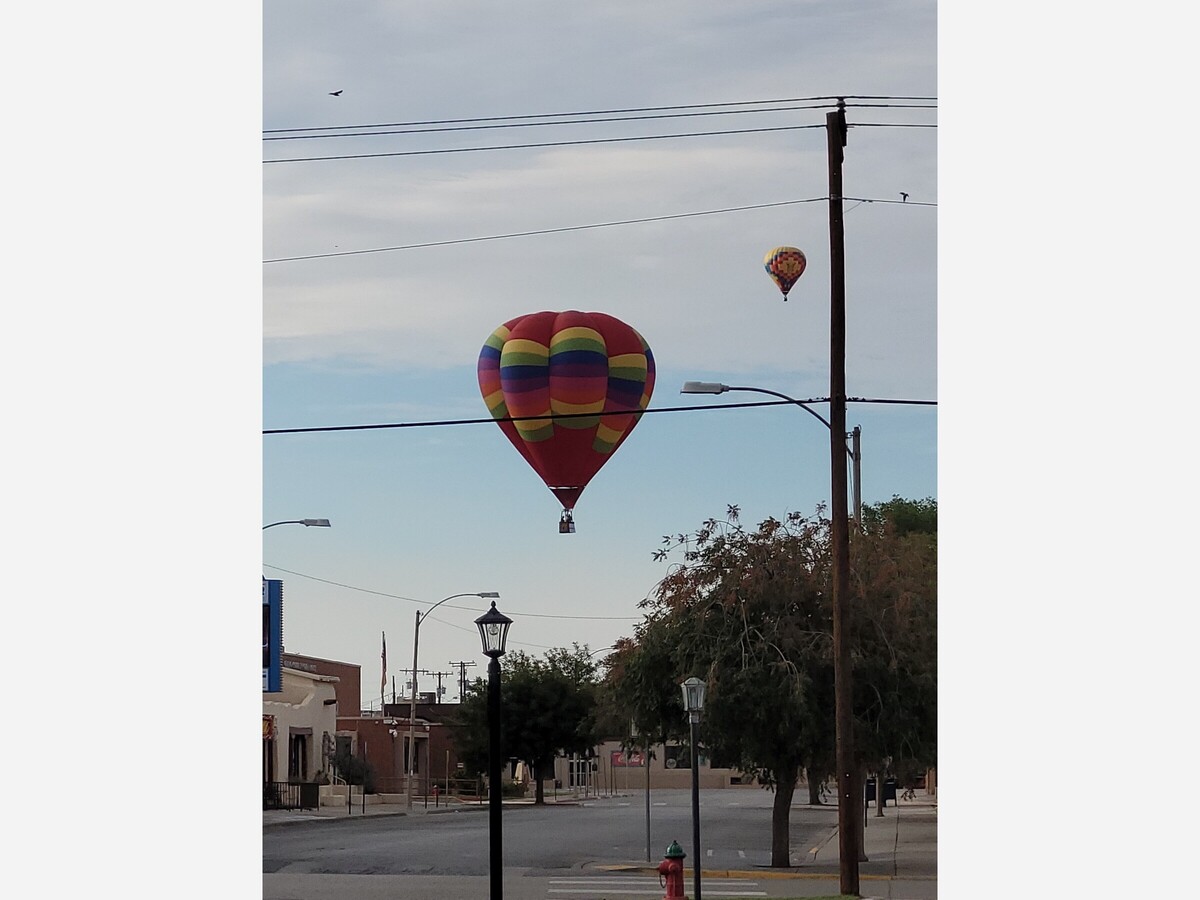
column 354, row 770
column 747, row 611
column 750, row 611
column 894, row 621
column 546, row 711
column 642, row 684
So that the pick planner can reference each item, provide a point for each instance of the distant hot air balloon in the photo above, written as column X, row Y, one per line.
column 588, row 366
column 785, row 265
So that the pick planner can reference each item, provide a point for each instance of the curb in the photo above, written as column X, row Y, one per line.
column 294, row 817
column 762, row 874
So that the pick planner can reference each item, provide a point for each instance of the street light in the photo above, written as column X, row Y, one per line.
column 319, row 523
column 693, row 702
column 854, row 451
column 493, row 631
column 412, row 706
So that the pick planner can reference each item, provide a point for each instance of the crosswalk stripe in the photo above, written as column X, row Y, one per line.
column 650, row 892
column 636, row 880
column 648, row 886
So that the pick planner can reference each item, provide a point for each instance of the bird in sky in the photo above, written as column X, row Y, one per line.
column 903, row 196
column 335, row 93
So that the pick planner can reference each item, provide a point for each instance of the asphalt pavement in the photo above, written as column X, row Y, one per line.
column 901, row 849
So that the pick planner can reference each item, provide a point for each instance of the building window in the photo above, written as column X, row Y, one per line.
column 676, row 757
column 416, row 762
column 298, row 757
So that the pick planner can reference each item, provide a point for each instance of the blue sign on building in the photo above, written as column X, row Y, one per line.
column 272, row 634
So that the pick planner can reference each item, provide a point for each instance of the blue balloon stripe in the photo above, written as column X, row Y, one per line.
column 520, row 373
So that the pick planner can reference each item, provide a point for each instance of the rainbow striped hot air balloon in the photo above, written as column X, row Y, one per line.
column 785, row 265
column 589, row 368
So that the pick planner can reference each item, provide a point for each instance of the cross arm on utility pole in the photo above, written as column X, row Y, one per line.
column 462, row 676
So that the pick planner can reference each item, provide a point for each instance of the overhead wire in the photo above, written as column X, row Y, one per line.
column 400, row 128
column 589, row 117
column 617, row 111
column 524, row 615
column 569, row 228
column 557, row 416
column 541, row 231
column 417, row 129
column 542, row 144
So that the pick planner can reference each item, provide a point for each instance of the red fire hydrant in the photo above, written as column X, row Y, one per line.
column 670, row 872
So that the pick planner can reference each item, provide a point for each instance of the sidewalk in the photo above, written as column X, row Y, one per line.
column 421, row 806
column 900, row 847
column 901, row 844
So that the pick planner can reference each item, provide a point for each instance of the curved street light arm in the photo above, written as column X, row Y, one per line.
column 852, row 449
column 704, row 387
column 486, row 594
column 799, row 403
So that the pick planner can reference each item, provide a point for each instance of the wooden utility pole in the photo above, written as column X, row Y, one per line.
column 439, row 676
column 847, row 776
column 462, row 677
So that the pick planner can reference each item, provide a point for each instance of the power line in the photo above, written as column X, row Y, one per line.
column 417, row 128
column 481, row 421
column 543, row 144
column 606, row 112
column 890, row 125
column 569, row 228
column 525, row 615
column 617, row 140
column 433, row 128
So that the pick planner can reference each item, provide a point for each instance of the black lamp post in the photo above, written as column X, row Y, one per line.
column 493, row 630
column 693, row 702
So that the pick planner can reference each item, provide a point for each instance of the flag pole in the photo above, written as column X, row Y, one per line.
column 383, row 674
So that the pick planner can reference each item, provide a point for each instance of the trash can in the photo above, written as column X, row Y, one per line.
column 889, row 790
column 310, row 795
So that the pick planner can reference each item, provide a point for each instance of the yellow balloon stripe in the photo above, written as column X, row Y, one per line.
column 534, row 430
column 628, row 365
column 497, row 338
column 577, row 338
column 496, row 405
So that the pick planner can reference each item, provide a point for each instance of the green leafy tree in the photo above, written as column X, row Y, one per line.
column 642, row 684
column 355, row 770
column 746, row 611
column 546, row 711
column 750, row 611
column 894, row 618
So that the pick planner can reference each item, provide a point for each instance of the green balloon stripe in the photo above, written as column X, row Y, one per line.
column 517, row 358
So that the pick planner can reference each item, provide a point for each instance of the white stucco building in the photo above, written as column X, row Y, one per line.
column 299, row 724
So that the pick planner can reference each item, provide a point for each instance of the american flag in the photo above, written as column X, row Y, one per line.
column 383, row 659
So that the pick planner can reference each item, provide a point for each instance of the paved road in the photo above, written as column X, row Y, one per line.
column 735, row 834
column 576, row 886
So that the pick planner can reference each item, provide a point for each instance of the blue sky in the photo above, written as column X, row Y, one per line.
column 393, row 337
